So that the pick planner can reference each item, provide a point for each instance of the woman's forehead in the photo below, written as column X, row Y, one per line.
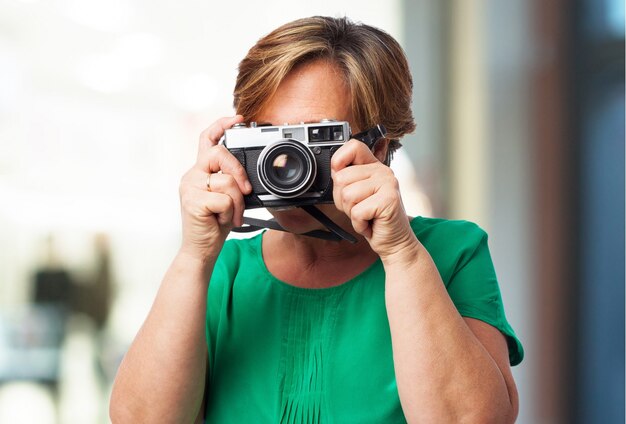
column 311, row 92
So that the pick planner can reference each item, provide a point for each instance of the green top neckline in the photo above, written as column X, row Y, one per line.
column 325, row 291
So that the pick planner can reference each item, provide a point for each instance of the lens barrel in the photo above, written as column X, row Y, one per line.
column 286, row 168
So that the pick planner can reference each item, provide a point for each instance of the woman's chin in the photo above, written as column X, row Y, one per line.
column 295, row 220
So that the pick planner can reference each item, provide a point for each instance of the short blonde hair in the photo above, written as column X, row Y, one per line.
column 373, row 64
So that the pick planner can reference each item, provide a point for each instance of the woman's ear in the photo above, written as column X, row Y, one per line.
column 381, row 150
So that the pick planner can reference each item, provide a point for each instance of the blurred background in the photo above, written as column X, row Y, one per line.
column 520, row 113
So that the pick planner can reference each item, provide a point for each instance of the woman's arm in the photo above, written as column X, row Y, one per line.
column 448, row 370
column 161, row 378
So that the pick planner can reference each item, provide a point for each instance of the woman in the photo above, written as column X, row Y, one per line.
column 406, row 324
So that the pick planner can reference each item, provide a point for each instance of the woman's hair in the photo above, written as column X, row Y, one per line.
column 372, row 62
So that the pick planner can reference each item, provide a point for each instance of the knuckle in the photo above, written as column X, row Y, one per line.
column 390, row 198
column 220, row 148
column 395, row 184
column 340, row 179
column 214, row 152
column 337, row 196
column 236, row 170
column 348, row 197
column 358, row 214
column 387, row 177
column 390, row 172
column 353, row 143
column 230, row 203
column 226, row 203
column 229, row 181
column 226, row 158
column 337, row 159
column 240, row 171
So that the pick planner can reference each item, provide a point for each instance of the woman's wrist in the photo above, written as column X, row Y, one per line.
column 405, row 255
column 194, row 259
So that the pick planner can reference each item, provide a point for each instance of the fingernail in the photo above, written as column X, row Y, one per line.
column 248, row 187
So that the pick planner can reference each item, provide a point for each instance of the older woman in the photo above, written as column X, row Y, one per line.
column 406, row 324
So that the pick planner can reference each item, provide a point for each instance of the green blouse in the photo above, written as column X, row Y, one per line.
column 284, row 354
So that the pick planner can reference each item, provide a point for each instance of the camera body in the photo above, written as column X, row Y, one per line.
column 287, row 165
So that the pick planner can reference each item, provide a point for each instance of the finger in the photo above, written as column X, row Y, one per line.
column 211, row 136
column 195, row 183
column 355, row 193
column 354, row 152
column 225, row 211
column 374, row 175
column 226, row 184
column 209, row 203
column 219, row 159
column 384, row 205
column 201, row 205
column 222, row 206
column 352, row 174
column 363, row 213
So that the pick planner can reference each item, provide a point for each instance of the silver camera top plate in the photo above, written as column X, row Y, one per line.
column 319, row 133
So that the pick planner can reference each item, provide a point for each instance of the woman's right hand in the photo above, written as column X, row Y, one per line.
column 209, row 213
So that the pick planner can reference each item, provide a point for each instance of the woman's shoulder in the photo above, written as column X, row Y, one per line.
column 236, row 251
column 450, row 243
column 446, row 231
column 234, row 248
column 237, row 254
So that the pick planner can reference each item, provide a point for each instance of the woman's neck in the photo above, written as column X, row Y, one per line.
column 305, row 261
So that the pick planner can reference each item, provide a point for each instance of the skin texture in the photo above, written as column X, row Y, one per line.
column 448, row 368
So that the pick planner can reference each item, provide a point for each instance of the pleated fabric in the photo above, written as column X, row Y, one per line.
column 305, row 343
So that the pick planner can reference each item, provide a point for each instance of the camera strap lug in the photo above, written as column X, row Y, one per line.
column 372, row 135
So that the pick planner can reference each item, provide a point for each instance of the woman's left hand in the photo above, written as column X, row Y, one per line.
column 367, row 191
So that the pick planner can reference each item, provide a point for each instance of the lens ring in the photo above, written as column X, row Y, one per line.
column 286, row 168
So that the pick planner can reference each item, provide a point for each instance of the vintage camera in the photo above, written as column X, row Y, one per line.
column 287, row 165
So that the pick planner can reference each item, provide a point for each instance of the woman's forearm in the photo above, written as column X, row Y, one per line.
column 161, row 378
column 444, row 373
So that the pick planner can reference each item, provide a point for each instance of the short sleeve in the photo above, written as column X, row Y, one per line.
column 218, row 294
column 461, row 252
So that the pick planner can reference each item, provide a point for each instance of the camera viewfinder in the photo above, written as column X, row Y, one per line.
column 325, row 134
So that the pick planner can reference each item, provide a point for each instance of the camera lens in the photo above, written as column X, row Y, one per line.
column 286, row 168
